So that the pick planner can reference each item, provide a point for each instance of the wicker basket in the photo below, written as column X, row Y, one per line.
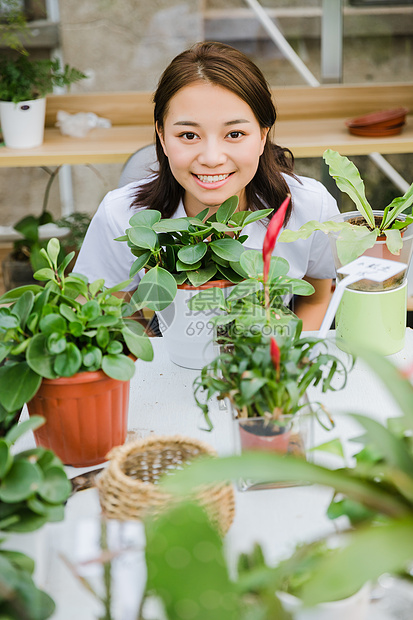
column 127, row 487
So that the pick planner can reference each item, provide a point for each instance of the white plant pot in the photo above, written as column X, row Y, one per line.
column 354, row 607
column 22, row 123
column 189, row 334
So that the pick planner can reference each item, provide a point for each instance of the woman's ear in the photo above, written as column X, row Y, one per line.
column 160, row 136
column 264, row 134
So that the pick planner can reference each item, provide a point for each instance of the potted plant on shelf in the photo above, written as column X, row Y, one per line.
column 70, row 361
column 182, row 256
column 370, row 313
column 24, row 84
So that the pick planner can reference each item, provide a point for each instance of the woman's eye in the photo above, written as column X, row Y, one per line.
column 235, row 134
column 188, row 135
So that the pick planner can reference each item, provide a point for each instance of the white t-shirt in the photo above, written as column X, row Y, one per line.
column 102, row 257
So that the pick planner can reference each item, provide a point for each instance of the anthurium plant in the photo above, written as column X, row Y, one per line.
column 267, row 376
column 247, row 308
column 186, row 250
column 354, row 239
column 260, row 298
column 47, row 332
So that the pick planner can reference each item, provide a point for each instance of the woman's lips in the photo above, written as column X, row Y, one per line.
column 211, row 181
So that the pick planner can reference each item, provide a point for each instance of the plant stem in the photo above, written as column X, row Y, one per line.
column 267, row 304
column 48, row 186
column 107, row 577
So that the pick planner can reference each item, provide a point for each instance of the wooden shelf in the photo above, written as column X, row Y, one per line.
column 309, row 120
column 305, row 138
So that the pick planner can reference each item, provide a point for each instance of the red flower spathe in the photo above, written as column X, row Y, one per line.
column 273, row 231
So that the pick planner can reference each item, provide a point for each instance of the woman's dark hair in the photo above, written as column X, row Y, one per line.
column 220, row 65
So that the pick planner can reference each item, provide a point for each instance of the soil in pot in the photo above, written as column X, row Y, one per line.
column 379, row 250
column 270, row 437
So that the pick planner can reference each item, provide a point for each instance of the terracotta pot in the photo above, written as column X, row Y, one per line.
column 86, row 416
column 382, row 123
column 207, row 285
column 259, row 434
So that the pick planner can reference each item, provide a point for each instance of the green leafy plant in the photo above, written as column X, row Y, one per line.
column 186, row 250
column 268, row 377
column 246, row 308
column 353, row 239
column 20, row 599
column 48, row 333
column 33, row 491
column 258, row 302
column 33, row 484
column 188, row 574
column 22, row 79
column 380, row 486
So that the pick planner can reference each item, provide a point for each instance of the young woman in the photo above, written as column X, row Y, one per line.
column 213, row 115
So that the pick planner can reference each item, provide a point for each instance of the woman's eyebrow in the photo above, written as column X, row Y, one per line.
column 237, row 121
column 187, row 123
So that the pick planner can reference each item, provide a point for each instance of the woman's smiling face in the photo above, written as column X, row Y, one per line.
column 213, row 143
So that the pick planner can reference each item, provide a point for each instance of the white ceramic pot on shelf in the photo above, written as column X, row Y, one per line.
column 22, row 123
column 354, row 607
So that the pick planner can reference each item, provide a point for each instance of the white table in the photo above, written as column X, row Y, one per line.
column 162, row 402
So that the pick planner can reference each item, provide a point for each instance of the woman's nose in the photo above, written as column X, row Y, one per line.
column 211, row 154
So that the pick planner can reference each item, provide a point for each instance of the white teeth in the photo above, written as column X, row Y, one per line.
column 212, row 179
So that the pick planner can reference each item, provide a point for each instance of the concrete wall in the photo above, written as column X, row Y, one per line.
column 125, row 44
column 121, row 45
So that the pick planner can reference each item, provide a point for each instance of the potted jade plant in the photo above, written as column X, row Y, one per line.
column 71, row 362
column 370, row 313
column 183, row 256
column 24, row 84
